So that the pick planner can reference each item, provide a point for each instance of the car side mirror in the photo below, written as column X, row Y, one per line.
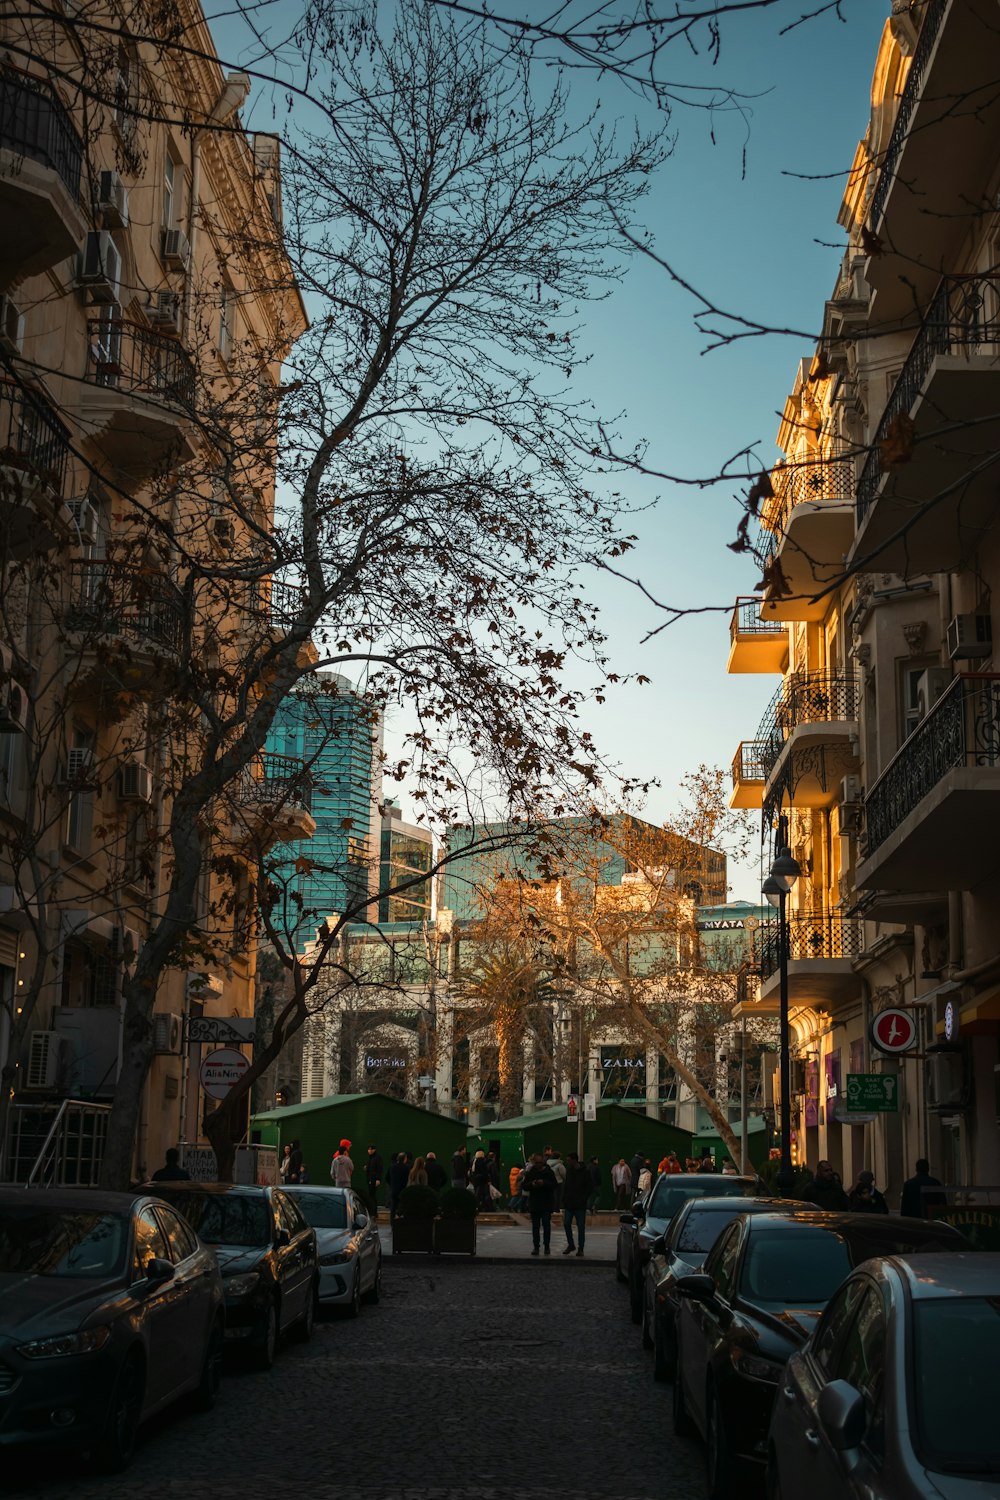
column 841, row 1410
column 158, row 1270
column 659, row 1245
column 360, row 1221
column 696, row 1287
column 626, row 1218
column 281, row 1239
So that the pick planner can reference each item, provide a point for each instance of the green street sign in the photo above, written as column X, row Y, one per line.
column 872, row 1093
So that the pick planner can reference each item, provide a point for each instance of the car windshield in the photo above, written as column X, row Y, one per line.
column 323, row 1210
column 673, row 1191
column 40, row 1241
column 794, row 1270
column 702, row 1228
column 226, row 1218
column 957, row 1383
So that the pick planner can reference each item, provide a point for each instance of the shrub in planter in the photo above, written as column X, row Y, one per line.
column 413, row 1227
column 418, row 1203
column 455, row 1229
column 458, row 1203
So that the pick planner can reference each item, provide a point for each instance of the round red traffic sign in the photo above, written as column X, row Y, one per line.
column 893, row 1031
column 220, row 1070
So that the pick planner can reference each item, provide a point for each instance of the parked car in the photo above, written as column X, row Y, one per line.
column 110, row 1309
column 764, row 1286
column 651, row 1217
column 267, row 1255
column 896, row 1395
column 681, row 1251
column 348, row 1245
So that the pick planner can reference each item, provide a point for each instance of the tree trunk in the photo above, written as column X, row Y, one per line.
column 137, row 1056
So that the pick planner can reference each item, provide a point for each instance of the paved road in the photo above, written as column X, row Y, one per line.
column 469, row 1381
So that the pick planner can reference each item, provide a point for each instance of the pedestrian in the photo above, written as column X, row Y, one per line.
column 513, row 1180
column 539, row 1187
column 576, row 1191
column 294, row 1162
column 172, row 1171
column 399, row 1173
column 493, row 1171
column 342, row 1167
column 729, row 1168
column 558, row 1169
column 673, row 1163
column 706, row 1162
column 826, row 1189
column 664, row 1166
column 436, row 1174
column 916, row 1202
column 460, row 1168
column 865, row 1198
column 594, row 1196
column 373, row 1176
column 303, row 1173
column 645, row 1178
column 635, row 1167
column 285, row 1165
column 481, row 1179
column 621, row 1181
column 418, row 1174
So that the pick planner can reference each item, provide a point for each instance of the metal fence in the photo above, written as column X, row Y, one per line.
column 275, row 779
column 32, row 439
column 746, row 620
column 35, row 124
column 139, row 361
column 109, row 598
column 821, row 936
column 933, row 14
column 804, row 698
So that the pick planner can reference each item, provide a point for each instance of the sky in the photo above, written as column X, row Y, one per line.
column 730, row 211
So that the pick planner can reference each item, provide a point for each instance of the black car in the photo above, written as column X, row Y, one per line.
column 764, row 1286
column 651, row 1217
column 110, row 1309
column 267, row 1255
column 681, row 1251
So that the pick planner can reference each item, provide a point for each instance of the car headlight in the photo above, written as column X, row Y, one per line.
column 755, row 1367
column 241, row 1286
column 87, row 1341
column 339, row 1259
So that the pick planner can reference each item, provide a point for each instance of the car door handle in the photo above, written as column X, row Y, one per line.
column 812, row 1437
column 789, row 1393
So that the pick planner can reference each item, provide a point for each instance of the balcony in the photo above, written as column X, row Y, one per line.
column 137, row 401
column 41, row 158
column 810, row 735
column 34, row 448
column 949, row 112
column 126, row 625
column 755, row 645
column 925, row 513
column 811, row 518
column 277, row 605
column 750, row 766
column 820, row 952
column 272, row 801
column 932, row 819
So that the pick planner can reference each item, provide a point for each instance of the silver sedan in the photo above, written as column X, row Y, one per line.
column 347, row 1239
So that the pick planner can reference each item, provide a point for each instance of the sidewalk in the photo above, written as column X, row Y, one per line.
column 506, row 1237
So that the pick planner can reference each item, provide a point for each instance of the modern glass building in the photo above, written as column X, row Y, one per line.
column 407, row 849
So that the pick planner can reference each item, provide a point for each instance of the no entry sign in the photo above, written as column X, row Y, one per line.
column 220, row 1070
column 893, row 1031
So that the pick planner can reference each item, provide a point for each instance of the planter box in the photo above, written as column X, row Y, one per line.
column 455, row 1236
column 412, row 1234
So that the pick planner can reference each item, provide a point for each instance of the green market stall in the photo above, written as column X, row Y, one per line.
column 758, row 1143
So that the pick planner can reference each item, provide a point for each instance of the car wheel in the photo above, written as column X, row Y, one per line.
column 264, row 1354
column 635, row 1298
column 683, row 1426
column 374, row 1292
column 664, row 1352
column 353, row 1308
column 113, row 1450
column 304, row 1326
column 206, row 1392
column 718, row 1455
column 647, row 1342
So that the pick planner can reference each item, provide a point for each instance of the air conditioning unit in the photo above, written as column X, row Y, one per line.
column 85, row 518
column 970, row 636
column 945, row 1075
column 164, row 309
column 100, row 267
column 930, row 685
column 14, row 708
column 167, row 1032
column 80, row 764
column 112, row 200
column 850, row 789
column 48, row 1057
column 135, row 783
column 175, row 250
column 850, row 817
column 223, row 529
column 11, row 326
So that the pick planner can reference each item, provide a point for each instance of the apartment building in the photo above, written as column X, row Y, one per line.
column 145, row 309
column 878, row 759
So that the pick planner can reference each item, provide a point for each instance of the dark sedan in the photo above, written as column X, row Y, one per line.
column 681, row 1251
column 764, row 1286
column 110, row 1309
column 896, row 1395
column 651, row 1217
column 267, row 1255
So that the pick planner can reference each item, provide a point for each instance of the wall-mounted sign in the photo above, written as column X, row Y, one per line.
column 950, row 1021
column 220, row 1070
column 872, row 1093
column 376, row 1061
column 893, row 1031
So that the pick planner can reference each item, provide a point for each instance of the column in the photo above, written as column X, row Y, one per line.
column 443, row 1037
column 528, row 1076
column 652, row 1083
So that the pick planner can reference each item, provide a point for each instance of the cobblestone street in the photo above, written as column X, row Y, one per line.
column 467, row 1382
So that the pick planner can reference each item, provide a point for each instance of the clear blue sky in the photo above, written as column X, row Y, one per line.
column 725, row 213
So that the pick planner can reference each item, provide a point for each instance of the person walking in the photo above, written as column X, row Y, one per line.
column 645, row 1178
column 621, row 1181
column 635, row 1166
column 460, row 1168
column 481, row 1180
column 558, row 1169
column 399, row 1173
column 539, row 1187
column 826, row 1189
column 915, row 1202
column 865, row 1198
column 373, row 1176
column 342, row 1167
column 673, row 1162
column 436, row 1174
column 513, row 1182
column 594, row 1196
column 576, row 1191
column 418, row 1174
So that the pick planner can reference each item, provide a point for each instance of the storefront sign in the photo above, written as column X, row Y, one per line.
column 812, row 1092
column 980, row 1223
column 893, row 1031
column 872, row 1093
column 220, row 1070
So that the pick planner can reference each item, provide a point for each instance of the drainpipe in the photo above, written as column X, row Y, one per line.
column 866, row 1020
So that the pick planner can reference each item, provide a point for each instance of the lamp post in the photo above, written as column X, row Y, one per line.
column 783, row 874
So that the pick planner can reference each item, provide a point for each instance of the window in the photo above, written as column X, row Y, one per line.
column 721, row 1265
column 226, row 313
column 169, row 182
column 80, row 815
column 150, row 1243
column 861, row 1363
column 911, row 709
column 126, row 90
column 289, row 1215
column 835, row 1320
column 182, row 1242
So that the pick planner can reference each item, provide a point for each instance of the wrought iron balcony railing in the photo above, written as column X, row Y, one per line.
column 32, row 439
column 963, row 319
column 275, row 780
column 805, row 698
column 933, row 14
column 112, row 599
column 962, row 729
column 139, row 361
column 810, row 937
column 746, row 620
column 35, row 124
column 828, row 481
column 750, row 763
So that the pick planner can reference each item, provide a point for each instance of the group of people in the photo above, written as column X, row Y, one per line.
column 919, row 1195
column 538, row 1187
column 520, row 1200
column 631, row 1180
column 292, row 1167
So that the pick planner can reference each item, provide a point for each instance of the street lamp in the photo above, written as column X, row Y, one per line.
column 783, row 874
